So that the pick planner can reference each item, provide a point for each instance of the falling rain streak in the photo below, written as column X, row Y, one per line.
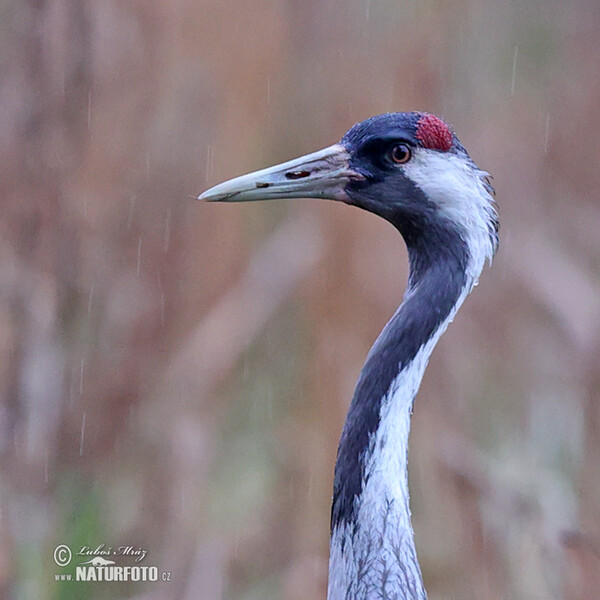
column 514, row 70
column 161, row 297
column 81, row 369
column 167, row 235
column 139, row 258
column 82, row 435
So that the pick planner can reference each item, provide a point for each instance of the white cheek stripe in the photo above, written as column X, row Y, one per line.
column 456, row 186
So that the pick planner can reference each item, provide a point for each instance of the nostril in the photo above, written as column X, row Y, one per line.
column 260, row 185
column 297, row 174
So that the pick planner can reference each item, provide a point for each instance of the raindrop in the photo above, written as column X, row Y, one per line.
column 81, row 369
column 46, row 460
column 139, row 258
column 82, row 434
column 268, row 90
column 514, row 70
column 162, row 298
column 89, row 110
column 167, row 236
column 547, row 133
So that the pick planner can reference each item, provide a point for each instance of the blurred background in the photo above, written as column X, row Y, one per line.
column 174, row 376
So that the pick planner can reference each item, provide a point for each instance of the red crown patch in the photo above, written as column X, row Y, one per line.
column 433, row 133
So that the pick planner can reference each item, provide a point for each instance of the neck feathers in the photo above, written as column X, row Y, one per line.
column 372, row 547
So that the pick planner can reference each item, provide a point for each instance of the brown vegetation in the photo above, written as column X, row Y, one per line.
column 175, row 375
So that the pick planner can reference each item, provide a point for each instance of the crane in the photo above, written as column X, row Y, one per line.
column 410, row 169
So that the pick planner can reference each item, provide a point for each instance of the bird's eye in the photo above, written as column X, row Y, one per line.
column 400, row 153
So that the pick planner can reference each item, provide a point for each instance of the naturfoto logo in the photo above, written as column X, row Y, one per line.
column 102, row 564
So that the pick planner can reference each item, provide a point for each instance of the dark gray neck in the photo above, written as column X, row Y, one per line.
column 435, row 285
column 370, row 500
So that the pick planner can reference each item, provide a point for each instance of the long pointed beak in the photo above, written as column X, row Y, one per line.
column 322, row 174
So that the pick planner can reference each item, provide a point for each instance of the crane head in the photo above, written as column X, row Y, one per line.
column 408, row 168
